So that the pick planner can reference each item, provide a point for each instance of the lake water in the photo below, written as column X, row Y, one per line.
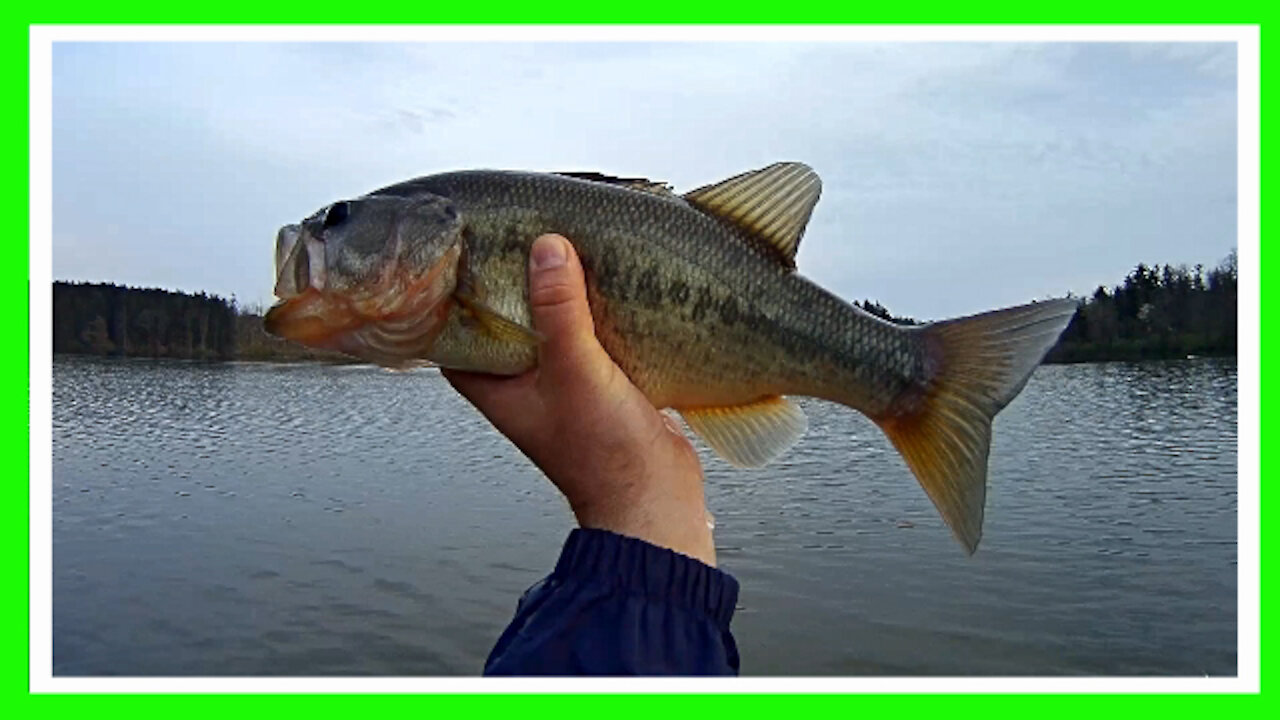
column 254, row 519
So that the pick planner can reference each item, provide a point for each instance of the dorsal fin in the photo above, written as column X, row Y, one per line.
column 773, row 204
column 641, row 184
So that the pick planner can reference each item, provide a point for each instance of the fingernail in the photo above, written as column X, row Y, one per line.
column 548, row 252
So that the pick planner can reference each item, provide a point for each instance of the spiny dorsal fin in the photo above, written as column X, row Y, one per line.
column 749, row 435
column 641, row 184
column 773, row 204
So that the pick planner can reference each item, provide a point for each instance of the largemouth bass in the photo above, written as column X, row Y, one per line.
column 695, row 296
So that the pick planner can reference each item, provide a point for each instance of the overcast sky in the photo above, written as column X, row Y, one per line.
column 957, row 177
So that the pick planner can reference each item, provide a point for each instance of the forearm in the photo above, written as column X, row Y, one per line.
column 619, row 606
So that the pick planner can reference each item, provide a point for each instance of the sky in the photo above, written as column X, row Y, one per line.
column 957, row 177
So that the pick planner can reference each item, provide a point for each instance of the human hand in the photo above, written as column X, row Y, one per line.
column 622, row 465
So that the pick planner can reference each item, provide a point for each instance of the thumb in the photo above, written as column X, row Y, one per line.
column 558, row 304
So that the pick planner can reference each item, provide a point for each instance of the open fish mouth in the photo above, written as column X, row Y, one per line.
column 392, row 320
column 295, row 269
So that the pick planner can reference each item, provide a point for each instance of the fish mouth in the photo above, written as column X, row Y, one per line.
column 392, row 320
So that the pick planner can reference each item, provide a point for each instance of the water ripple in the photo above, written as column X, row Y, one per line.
column 277, row 519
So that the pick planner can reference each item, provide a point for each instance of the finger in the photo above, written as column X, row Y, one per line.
column 505, row 401
column 558, row 304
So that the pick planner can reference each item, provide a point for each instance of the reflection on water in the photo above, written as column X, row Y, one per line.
column 311, row 520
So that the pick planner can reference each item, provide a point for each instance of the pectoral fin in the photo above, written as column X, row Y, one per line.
column 749, row 435
column 496, row 324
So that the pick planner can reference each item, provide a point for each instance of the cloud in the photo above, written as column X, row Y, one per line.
column 957, row 176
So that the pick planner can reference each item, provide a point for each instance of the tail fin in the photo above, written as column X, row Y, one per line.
column 980, row 362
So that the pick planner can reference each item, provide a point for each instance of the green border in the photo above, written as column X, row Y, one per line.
column 14, row 298
column 14, row 289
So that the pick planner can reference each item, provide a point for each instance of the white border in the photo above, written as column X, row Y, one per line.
column 41, row 209
column 1248, row 352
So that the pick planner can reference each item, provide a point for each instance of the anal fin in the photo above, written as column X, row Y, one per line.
column 749, row 435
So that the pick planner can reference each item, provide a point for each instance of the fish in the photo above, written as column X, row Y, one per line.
column 695, row 295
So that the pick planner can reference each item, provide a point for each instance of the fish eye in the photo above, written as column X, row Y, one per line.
column 336, row 214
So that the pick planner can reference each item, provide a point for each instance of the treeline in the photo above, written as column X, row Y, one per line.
column 108, row 319
column 1158, row 312
column 883, row 313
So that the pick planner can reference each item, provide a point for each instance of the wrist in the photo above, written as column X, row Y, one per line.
column 682, row 527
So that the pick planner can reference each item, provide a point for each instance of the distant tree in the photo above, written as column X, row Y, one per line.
column 883, row 313
column 95, row 336
column 1157, row 311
